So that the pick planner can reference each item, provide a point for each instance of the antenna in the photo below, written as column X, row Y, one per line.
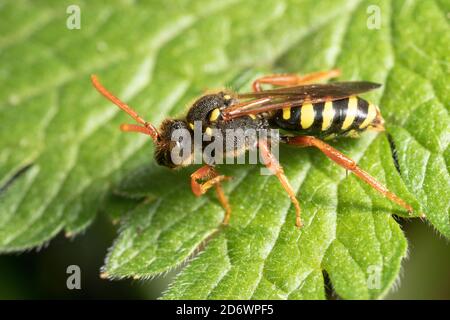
column 146, row 128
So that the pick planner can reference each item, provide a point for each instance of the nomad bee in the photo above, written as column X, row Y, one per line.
column 305, row 111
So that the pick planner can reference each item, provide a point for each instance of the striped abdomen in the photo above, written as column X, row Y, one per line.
column 347, row 116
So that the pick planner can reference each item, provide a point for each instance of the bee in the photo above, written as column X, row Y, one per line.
column 305, row 109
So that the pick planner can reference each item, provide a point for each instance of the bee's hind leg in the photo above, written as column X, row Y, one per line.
column 211, row 178
column 348, row 164
column 287, row 80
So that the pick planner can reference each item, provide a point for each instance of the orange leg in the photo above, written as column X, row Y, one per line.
column 293, row 79
column 347, row 163
column 211, row 178
column 273, row 165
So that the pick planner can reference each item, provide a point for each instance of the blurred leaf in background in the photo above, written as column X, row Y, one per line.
column 62, row 153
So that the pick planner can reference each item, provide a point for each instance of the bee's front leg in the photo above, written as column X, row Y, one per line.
column 211, row 178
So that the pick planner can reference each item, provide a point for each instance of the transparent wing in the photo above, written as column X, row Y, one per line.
column 269, row 100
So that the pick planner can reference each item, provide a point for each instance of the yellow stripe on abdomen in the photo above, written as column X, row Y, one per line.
column 351, row 112
column 286, row 113
column 307, row 115
column 327, row 115
column 371, row 115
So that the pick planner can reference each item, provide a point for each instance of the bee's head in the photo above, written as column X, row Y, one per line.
column 173, row 139
column 174, row 144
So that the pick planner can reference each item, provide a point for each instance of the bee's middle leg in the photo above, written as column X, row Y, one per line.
column 273, row 165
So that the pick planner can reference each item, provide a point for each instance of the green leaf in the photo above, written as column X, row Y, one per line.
column 61, row 152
